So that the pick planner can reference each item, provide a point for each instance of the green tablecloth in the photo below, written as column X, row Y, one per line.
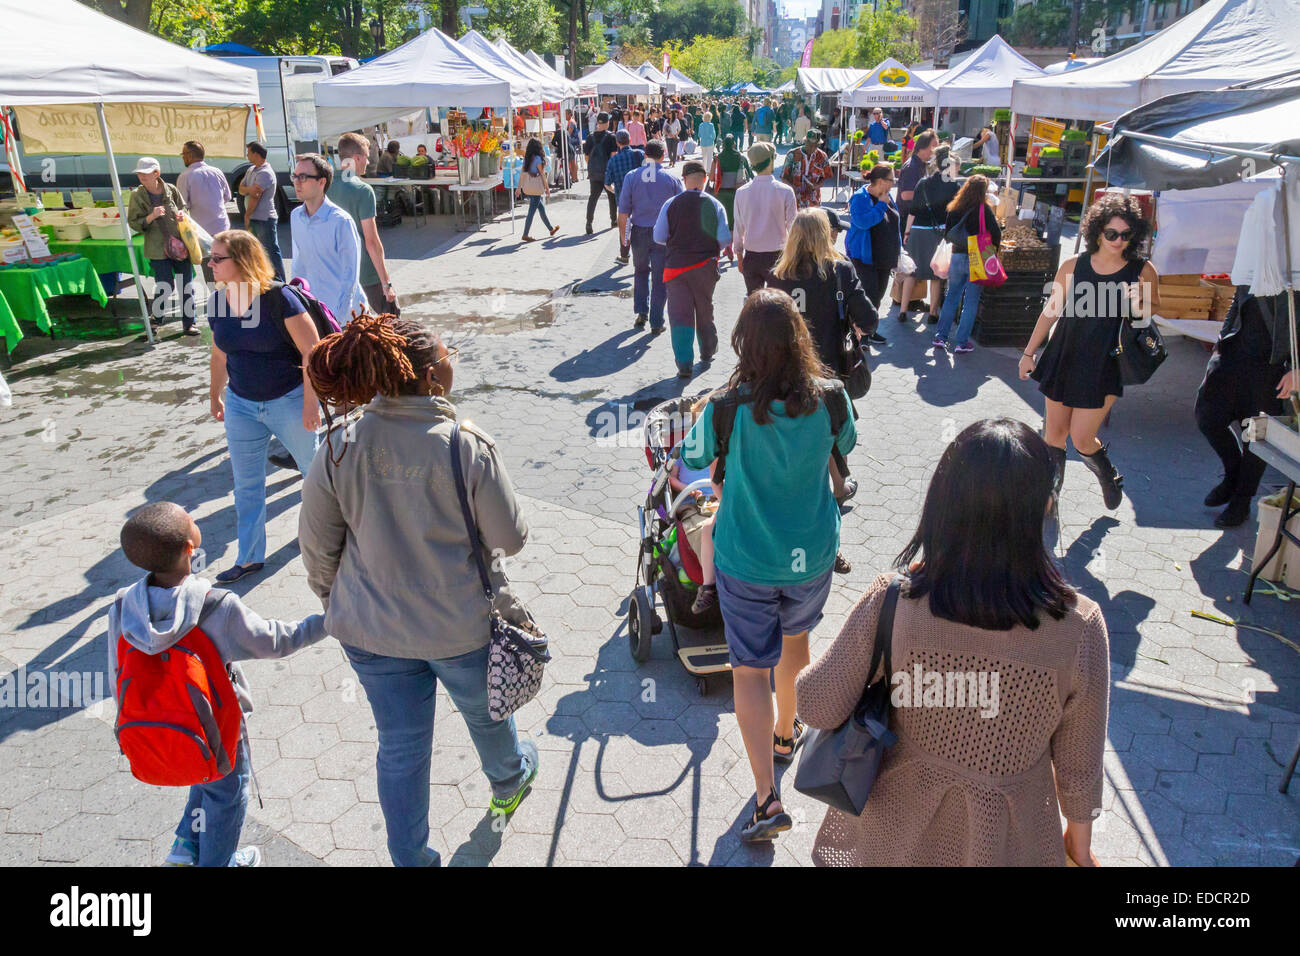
column 27, row 288
column 106, row 255
column 9, row 330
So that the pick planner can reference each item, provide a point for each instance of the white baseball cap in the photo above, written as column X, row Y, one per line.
column 147, row 164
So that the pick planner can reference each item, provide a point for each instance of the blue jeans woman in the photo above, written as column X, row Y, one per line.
column 961, row 293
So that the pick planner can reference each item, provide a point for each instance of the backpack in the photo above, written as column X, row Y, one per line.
column 724, row 419
column 318, row 311
column 178, row 719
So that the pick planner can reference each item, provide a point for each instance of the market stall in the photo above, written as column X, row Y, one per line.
column 430, row 69
column 79, row 80
column 983, row 82
column 557, row 92
column 647, row 71
column 614, row 79
column 888, row 84
column 685, row 85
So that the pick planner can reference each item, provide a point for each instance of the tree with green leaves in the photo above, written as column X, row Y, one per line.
column 883, row 32
column 684, row 20
column 526, row 24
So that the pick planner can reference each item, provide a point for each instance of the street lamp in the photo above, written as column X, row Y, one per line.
column 376, row 32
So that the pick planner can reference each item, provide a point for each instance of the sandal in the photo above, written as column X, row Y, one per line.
column 762, row 827
column 842, row 565
column 791, row 742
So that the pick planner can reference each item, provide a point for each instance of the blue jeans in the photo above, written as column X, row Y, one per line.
column 649, row 294
column 268, row 234
column 402, row 694
column 535, row 204
column 165, row 273
column 963, row 292
column 214, row 813
column 249, row 427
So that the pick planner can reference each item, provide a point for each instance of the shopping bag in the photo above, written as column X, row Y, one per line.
column 906, row 265
column 985, row 266
column 191, row 239
column 941, row 259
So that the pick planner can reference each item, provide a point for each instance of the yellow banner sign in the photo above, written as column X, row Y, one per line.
column 142, row 129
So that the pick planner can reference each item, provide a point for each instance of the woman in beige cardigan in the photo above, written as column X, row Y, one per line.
column 1000, row 682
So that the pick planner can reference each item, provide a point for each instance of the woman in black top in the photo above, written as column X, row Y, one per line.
column 1078, row 373
column 814, row 274
column 923, row 231
column 962, row 222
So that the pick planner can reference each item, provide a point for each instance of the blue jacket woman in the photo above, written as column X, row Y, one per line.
column 873, row 242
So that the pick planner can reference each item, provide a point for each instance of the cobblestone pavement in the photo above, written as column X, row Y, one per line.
column 637, row 767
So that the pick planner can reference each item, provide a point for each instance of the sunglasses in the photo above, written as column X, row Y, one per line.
column 449, row 357
column 1112, row 234
column 299, row 177
column 214, row 258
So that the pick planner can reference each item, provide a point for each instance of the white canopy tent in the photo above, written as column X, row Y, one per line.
column 889, row 83
column 614, row 79
column 583, row 88
column 647, row 71
column 430, row 69
column 817, row 80
column 984, row 78
column 1223, row 42
column 684, row 83
column 786, row 87
column 63, row 52
column 481, row 46
column 555, row 88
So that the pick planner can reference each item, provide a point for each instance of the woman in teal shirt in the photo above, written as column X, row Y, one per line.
column 708, row 136
column 778, row 529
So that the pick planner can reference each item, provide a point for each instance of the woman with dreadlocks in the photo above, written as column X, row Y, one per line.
column 384, row 541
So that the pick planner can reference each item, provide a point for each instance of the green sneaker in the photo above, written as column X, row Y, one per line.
column 508, row 805
column 183, row 853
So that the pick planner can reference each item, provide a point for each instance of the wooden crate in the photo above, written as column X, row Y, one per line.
column 1177, row 278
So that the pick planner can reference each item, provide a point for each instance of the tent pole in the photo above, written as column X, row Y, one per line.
column 126, row 226
column 1011, row 153
column 1288, row 176
column 1087, row 189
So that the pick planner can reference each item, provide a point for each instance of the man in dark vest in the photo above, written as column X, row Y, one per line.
column 693, row 228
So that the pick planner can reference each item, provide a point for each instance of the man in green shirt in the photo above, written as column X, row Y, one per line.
column 357, row 199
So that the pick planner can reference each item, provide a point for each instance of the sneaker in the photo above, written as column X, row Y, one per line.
column 554, row 230
column 183, row 853
column 656, row 330
column 508, row 805
column 939, row 342
column 640, row 322
column 248, row 856
column 848, row 491
column 621, row 260
column 964, row 348
column 875, row 338
column 527, row 239
column 282, row 459
column 684, row 370
column 234, row 573
column 706, row 599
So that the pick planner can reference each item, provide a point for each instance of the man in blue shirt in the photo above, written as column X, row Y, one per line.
column 620, row 164
column 326, row 247
column 642, row 195
column 764, row 123
column 693, row 228
column 878, row 131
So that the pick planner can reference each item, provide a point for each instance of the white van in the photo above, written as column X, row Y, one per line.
column 288, row 116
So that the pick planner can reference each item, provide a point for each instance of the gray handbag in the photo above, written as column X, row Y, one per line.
column 839, row 766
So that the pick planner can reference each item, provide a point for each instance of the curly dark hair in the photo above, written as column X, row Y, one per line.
column 1123, row 207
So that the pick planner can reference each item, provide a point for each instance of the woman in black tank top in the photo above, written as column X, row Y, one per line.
column 1078, row 372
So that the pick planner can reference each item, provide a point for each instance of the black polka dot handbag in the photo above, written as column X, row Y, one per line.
column 517, row 653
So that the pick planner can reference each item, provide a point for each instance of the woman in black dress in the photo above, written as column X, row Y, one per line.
column 1078, row 373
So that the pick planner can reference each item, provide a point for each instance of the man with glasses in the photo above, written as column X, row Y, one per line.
column 357, row 199
column 878, row 130
column 326, row 248
column 258, row 188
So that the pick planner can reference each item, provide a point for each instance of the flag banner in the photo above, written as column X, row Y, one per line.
column 807, row 55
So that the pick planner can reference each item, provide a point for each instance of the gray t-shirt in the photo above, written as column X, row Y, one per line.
column 263, row 176
column 357, row 199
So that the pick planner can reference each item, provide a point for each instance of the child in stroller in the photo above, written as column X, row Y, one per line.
column 697, row 524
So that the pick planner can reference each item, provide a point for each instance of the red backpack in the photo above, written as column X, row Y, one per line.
column 178, row 720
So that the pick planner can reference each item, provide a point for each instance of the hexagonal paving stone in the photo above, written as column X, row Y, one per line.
column 591, row 838
column 323, row 801
column 1191, row 791
column 43, row 811
column 308, row 741
column 361, row 828
column 286, row 776
column 1163, row 752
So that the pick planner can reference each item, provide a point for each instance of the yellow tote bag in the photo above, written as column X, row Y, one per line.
column 190, row 239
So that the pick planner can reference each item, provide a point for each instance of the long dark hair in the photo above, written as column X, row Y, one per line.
column 978, row 551
column 777, row 359
column 973, row 192
column 534, row 148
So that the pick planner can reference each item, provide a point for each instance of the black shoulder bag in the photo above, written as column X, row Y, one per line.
column 839, row 767
column 515, row 656
column 854, row 371
column 1139, row 350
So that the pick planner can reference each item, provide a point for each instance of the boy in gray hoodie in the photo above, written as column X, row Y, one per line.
column 155, row 613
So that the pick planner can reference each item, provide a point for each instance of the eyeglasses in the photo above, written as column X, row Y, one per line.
column 299, row 177
column 1111, row 234
column 449, row 357
column 214, row 258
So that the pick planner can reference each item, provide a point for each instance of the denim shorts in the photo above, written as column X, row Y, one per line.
column 757, row 616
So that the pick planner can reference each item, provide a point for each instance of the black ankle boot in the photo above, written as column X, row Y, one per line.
column 1058, row 462
column 1221, row 493
column 1111, row 481
column 1236, row 514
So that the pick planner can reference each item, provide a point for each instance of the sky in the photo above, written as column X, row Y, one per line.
column 800, row 8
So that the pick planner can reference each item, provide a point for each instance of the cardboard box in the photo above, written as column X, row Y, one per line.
column 1285, row 565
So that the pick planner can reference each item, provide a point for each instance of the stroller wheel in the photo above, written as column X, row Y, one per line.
column 640, row 623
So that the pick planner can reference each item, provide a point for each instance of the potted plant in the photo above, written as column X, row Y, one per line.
column 488, row 154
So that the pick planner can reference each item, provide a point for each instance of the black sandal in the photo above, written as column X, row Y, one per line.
column 761, row 827
column 791, row 742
